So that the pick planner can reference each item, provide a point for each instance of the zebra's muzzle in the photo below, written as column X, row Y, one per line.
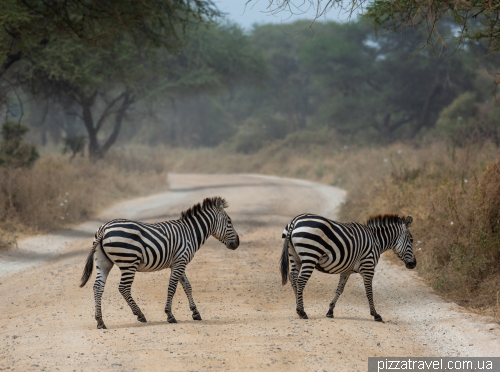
column 234, row 244
column 411, row 265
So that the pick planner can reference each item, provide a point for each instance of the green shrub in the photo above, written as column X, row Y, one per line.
column 14, row 152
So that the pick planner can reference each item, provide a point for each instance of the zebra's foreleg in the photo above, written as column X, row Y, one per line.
column 305, row 274
column 367, row 279
column 340, row 288
column 125, row 288
column 187, row 288
column 103, row 266
column 175, row 276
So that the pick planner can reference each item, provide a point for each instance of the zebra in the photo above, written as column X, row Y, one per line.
column 145, row 247
column 315, row 242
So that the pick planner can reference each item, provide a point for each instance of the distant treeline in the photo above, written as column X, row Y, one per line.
column 244, row 89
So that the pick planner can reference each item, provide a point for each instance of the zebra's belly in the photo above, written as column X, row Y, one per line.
column 154, row 265
column 327, row 265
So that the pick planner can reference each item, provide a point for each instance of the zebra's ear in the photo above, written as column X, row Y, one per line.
column 408, row 221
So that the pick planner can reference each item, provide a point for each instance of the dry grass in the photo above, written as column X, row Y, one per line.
column 454, row 201
column 57, row 192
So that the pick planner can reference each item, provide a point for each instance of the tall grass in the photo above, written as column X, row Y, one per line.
column 56, row 192
column 454, row 198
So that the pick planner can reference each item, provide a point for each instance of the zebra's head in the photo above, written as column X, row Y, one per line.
column 403, row 245
column 223, row 229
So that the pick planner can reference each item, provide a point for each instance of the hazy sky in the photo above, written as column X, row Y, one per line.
column 256, row 12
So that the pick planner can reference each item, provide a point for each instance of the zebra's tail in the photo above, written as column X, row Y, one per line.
column 284, row 262
column 89, row 266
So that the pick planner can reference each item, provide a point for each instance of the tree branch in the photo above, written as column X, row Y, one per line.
column 107, row 110
column 127, row 102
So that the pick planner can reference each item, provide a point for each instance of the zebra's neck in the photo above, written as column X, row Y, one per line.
column 201, row 226
column 385, row 236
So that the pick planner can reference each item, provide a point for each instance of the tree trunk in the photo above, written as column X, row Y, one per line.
column 88, row 120
column 426, row 109
column 96, row 151
column 120, row 114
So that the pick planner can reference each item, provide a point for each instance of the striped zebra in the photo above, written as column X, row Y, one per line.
column 314, row 242
column 137, row 246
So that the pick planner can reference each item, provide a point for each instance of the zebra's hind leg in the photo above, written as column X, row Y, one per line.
column 187, row 288
column 367, row 279
column 340, row 289
column 294, row 273
column 103, row 267
column 305, row 274
column 125, row 288
column 177, row 272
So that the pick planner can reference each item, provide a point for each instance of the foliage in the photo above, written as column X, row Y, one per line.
column 476, row 21
column 106, row 82
column 14, row 152
column 225, row 85
column 75, row 145
column 25, row 25
column 183, row 92
column 468, row 120
column 382, row 84
column 346, row 77
column 255, row 132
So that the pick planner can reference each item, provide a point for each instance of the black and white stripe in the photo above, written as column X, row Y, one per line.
column 137, row 246
column 314, row 242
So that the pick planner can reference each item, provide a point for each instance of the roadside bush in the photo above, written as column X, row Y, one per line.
column 14, row 152
column 468, row 121
column 256, row 132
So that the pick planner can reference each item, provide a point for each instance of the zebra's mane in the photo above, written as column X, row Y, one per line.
column 215, row 201
column 384, row 220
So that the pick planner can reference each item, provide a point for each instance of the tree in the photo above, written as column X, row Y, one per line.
column 376, row 84
column 28, row 24
column 346, row 77
column 102, row 81
column 478, row 21
column 187, row 99
column 105, row 82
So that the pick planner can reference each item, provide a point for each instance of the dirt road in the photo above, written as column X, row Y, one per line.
column 249, row 320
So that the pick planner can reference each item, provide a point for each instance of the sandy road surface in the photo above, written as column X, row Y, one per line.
column 249, row 321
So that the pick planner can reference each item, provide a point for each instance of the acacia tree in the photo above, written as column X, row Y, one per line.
column 478, row 20
column 104, row 83
column 28, row 24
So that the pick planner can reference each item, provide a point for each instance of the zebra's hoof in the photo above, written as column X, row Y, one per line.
column 378, row 318
column 101, row 326
column 142, row 319
column 302, row 314
column 196, row 316
column 171, row 319
column 329, row 314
